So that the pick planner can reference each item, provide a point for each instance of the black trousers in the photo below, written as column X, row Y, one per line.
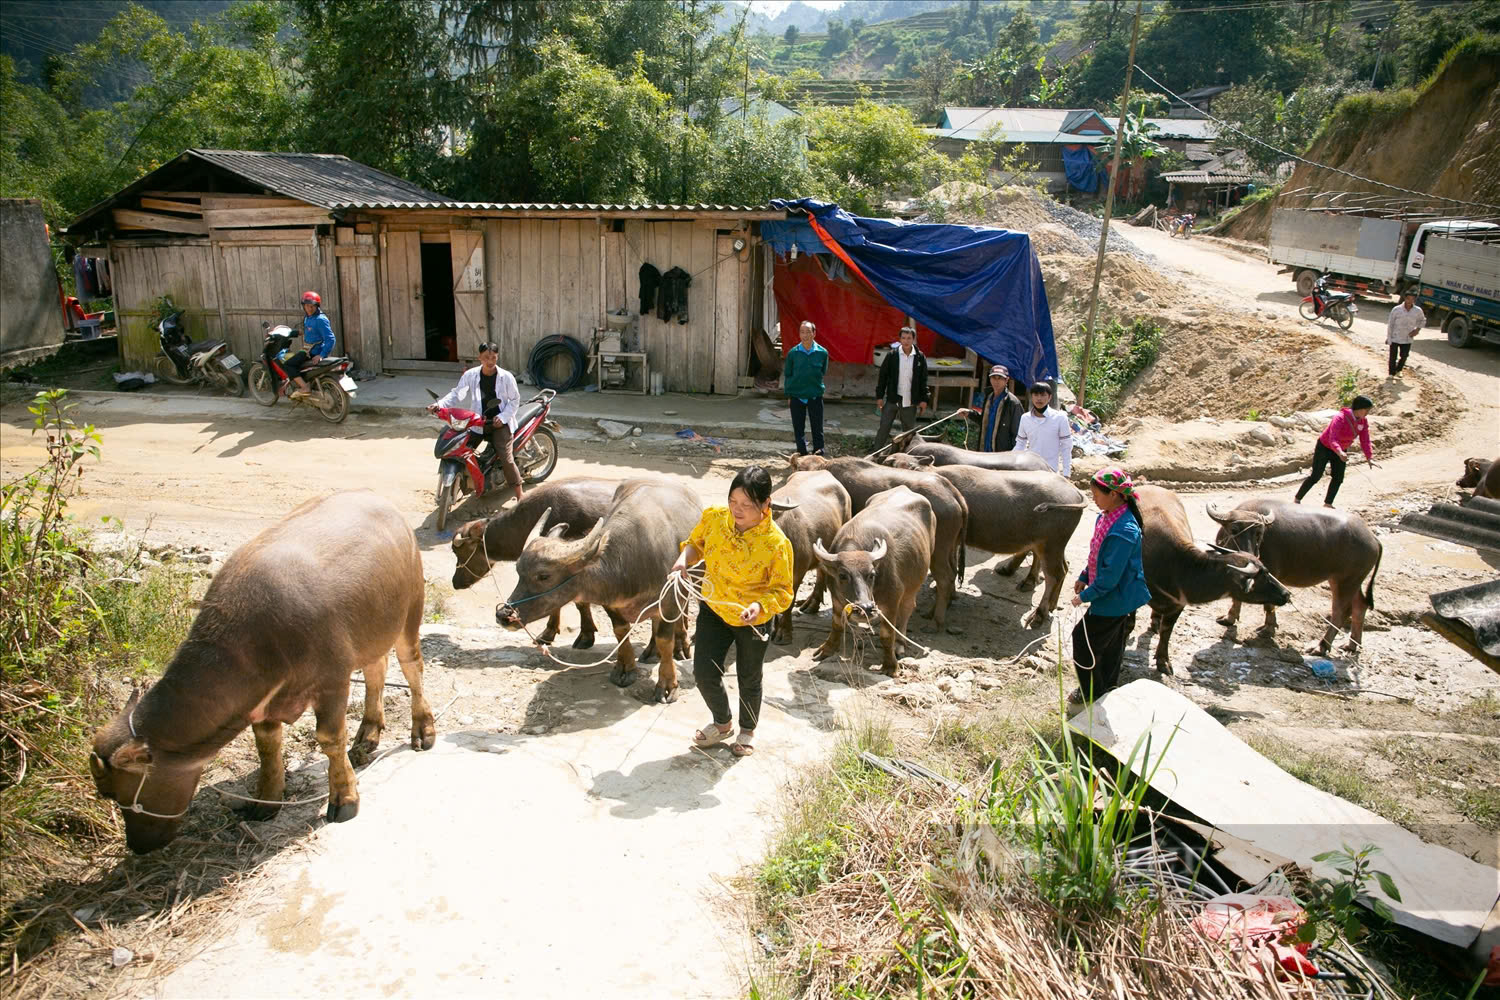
column 1099, row 650
column 1324, row 457
column 888, row 414
column 801, row 413
column 295, row 363
column 1397, row 359
column 713, row 639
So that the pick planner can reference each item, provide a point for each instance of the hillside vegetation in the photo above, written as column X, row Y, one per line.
column 1442, row 139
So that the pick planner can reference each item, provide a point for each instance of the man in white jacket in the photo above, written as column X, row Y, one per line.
column 1046, row 431
column 491, row 390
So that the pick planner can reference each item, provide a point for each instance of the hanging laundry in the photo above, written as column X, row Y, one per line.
column 673, row 299
column 650, row 281
column 106, row 286
column 80, row 277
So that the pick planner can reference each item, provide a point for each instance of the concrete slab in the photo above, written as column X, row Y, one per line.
column 591, row 861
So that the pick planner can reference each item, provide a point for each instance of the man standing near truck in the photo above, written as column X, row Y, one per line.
column 1404, row 323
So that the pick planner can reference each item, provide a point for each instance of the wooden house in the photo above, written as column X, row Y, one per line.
column 414, row 281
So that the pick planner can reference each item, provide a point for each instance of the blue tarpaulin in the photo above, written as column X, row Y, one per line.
column 978, row 286
column 1080, row 168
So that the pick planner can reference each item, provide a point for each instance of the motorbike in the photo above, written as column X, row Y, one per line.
column 1337, row 306
column 329, row 381
column 1181, row 226
column 464, row 467
column 184, row 361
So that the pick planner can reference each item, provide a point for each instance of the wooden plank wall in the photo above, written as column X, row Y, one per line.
column 359, row 295
column 264, row 282
column 543, row 278
column 401, row 273
column 142, row 273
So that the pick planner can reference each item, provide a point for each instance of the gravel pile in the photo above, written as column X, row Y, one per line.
column 1087, row 227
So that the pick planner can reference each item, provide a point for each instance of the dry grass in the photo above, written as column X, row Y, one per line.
column 880, row 887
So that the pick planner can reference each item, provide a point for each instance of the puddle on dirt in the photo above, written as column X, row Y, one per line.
column 297, row 928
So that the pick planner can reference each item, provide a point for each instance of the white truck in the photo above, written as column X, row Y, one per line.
column 1460, row 288
column 1366, row 256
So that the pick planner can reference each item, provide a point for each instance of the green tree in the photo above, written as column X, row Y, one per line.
column 839, row 38
column 1425, row 34
column 865, row 154
column 1188, row 46
column 380, row 87
column 752, row 161
column 792, row 32
column 1287, row 122
column 1134, row 137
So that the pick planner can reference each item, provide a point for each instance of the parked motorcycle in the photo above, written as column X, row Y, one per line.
column 184, row 361
column 1182, row 226
column 464, row 467
column 332, row 388
column 1337, row 306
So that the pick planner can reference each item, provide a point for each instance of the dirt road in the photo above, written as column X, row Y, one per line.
column 563, row 839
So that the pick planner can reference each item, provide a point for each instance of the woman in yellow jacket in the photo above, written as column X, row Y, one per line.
column 748, row 581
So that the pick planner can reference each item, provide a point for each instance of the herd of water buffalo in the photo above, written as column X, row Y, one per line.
column 278, row 633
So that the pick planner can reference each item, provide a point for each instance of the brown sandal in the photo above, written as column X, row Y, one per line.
column 744, row 745
column 711, row 735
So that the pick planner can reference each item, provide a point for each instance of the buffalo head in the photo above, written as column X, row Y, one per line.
column 152, row 794
column 1247, row 580
column 546, row 570
column 806, row 463
column 851, row 574
column 1474, row 470
column 1241, row 530
column 472, row 563
column 912, row 463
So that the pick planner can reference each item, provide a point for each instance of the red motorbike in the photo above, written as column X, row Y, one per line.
column 1337, row 306
column 464, row 467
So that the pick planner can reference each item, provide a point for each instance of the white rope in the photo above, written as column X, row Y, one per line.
column 915, row 432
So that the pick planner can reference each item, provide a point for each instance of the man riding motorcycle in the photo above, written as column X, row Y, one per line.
column 317, row 337
column 490, row 390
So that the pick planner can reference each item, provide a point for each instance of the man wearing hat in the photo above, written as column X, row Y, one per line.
column 999, row 413
column 1046, row 431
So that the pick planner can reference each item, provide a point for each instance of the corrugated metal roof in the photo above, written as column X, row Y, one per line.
column 519, row 206
column 1476, row 523
column 1177, row 128
column 323, row 179
column 1476, row 607
column 1031, row 138
column 1217, row 177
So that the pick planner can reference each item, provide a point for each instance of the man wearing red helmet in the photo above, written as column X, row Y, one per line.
column 317, row 339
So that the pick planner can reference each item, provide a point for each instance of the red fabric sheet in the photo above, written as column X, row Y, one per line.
column 851, row 319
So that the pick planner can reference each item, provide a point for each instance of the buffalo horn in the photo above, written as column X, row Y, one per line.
column 1248, row 570
column 1268, row 518
column 820, row 551
column 1213, row 512
column 878, row 552
column 536, row 529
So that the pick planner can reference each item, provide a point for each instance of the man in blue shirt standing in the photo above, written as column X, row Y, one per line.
column 806, row 364
column 317, row 339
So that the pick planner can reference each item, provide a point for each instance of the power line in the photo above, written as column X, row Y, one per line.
column 1314, row 163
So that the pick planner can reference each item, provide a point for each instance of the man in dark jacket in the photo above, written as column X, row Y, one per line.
column 999, row 413
column 901, row 387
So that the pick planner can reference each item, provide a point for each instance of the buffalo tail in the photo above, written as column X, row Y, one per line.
column 1370, row 587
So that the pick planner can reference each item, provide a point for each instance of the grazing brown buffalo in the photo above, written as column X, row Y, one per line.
column 877, row 565
column 933, row 453
column 1003, row 518
column 1481, row 476
column 327, row 591
column 863, row 479
column 1303, row 547
column 577, row 503
column 1180, row 571
column 821, row 507
column 621, row 565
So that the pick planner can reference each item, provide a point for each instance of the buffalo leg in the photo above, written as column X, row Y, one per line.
column 1357, row 608
column 271, row 786
column 666, row 672
column 409, row 655
column 682, row 646
column 1169, row 618
column 1012, row 564
column 814, row 602
column 944, row 568
column 624, row 673
column 549, row 634
column 781, row 632
column 1056, row 566
column 1269, row 625
column 343, row 789
column 648, row 652
column 1037, row 559
column 835, row 639
column 888, row 644
column 585, row 638
column 903, row 619
column 1232, row 616
column 367, row 738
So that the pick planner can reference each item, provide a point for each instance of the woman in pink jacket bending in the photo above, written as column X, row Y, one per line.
column 1333, row 447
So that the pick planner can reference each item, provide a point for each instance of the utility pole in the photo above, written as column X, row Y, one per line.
column 1109, row 206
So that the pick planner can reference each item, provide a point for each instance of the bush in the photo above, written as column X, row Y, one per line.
column 1119, row 354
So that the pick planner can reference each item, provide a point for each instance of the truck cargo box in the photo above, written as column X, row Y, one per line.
column 1465, row 266
column 1336, row 244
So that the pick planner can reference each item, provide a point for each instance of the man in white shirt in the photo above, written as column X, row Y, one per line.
column 1404, row 323
column 1046, row 431
column 491, row 390
column 901, row 387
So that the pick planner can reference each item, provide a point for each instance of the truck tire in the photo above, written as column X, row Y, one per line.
column 1305, row 279
column 1459, row 334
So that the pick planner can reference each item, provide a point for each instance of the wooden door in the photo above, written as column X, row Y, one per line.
column 730, row 337
column 403, row 288
column 469, row 320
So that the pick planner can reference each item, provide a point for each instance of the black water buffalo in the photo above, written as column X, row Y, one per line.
column 821, row 507
column 578, row 503
column 1181, row 571
column 1303, row 547
column 1003, row 518
column 294, row 612
column 621, row 564
column 877, row 565
column 1482, row 476
column 863, row 479
column 934, row 453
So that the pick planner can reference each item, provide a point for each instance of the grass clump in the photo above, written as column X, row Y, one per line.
column 1119, row 354
column 1347, row 386
column 77, row 622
